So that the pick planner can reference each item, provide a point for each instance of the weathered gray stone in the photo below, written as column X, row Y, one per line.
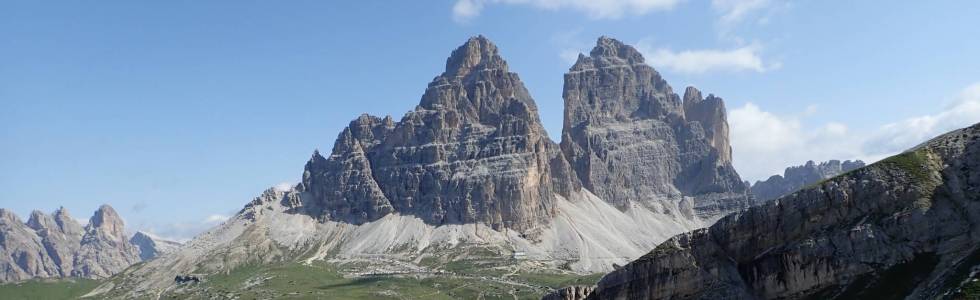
column 575, row 292
column 904, row 227
column 57, row 246
column 104, row 250
column 630, row 138
column 473, row 150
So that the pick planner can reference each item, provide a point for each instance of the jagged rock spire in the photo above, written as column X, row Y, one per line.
column 55, row 245
column 476, row 54
column 474, row 150
column 607, row 47
column 631, row 138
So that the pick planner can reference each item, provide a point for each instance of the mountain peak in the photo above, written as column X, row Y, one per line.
column 609, row 47
column 39, row 220
column 8, row 216
column 692, row 96
column 477, row 53
column 107, row 220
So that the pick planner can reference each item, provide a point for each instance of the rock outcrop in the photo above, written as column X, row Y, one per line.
column 797, row 177
column 904, row 227
column 575, row 292
column 630, row 138
column 151, row 246
column 472, row 151
column 57, row 246
column 105, row 249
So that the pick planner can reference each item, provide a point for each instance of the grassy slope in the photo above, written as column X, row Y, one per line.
column 47, row 289
column 324, row 281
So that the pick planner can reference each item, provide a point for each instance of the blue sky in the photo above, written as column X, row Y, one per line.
column 179, row 112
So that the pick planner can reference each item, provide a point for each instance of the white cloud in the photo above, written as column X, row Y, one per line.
column 569, row 56
column 184, row 230
column 765, row 143
column 284, row 186
column 746, row 58
column 464, row 10
column 82, row 222
column 215, row 218
column 897, row 136
column 733, row 11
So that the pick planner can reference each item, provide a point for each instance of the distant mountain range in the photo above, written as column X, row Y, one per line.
column 56, row 246
column 797, row 177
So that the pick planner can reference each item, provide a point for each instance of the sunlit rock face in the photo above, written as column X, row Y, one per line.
column 473, row 150
column 630, row 138
column 57, row 246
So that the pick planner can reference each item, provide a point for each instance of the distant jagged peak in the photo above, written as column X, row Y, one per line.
column 8, row 216
column 58, row 220
column 65, row 220
column 108, row 221
column 105, row 215
column 796, row 177
column 40, row 220
column 477, row 53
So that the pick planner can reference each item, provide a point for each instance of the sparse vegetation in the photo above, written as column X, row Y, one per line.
column 326, row 281
column 971, row 291
column 916, row 163
column 47, row 289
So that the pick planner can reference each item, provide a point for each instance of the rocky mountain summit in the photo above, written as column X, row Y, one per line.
column 471, row 170
column 474, row 149
column 904, row 227
column 56, row 245
column 630, row 138
column 796, row 177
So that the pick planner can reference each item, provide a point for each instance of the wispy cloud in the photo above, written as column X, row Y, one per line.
column 215, row 218
column 740, row 59
column 571, row 43
column 764, row 142
column 185, row 230
column 284, row 186
column 138, row 207
column 732, row 13
column 464, row 10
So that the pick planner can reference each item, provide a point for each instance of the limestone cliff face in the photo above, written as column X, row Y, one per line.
column 797, row 177
column 473, row 150
column 905, row 227
column 630, row 138
column 61, row 237
column 105, row 249
column 57, row 246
